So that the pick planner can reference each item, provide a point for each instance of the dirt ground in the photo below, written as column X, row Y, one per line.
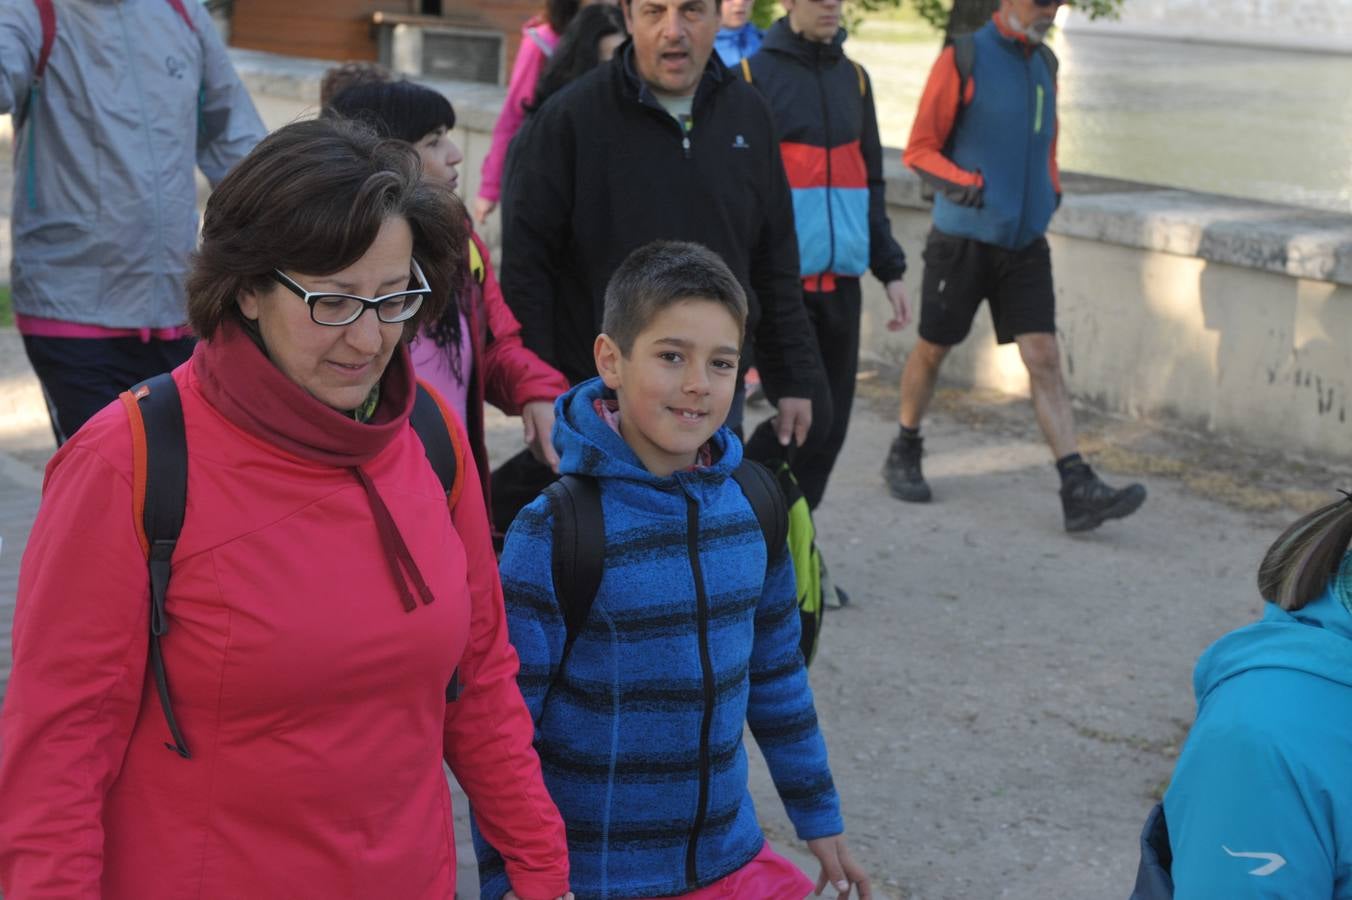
column 1004, row 702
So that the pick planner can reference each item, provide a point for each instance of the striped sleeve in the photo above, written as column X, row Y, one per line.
column 782, row 715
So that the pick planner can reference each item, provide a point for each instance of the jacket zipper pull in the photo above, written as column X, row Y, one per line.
column 685, row 145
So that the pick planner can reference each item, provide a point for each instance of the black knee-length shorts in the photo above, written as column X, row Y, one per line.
column 961, row 272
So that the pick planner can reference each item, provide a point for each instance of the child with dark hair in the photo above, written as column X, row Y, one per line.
column 1260, row 804
column 693, row 632
column 539, row 38
column 473, row 352
column 592, row 38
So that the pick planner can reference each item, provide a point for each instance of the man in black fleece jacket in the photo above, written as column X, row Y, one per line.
column 662, row 142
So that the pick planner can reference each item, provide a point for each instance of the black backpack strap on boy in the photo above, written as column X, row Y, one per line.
column 579, row 552
column 579, row 537
column 160, row 489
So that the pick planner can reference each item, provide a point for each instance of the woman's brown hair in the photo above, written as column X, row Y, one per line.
column 311, row 198
column 1297, row 567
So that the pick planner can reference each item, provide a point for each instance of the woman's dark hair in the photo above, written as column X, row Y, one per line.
column 408, row 112
column 559, row 14
column 1297, row 567
column 311, row 198
column 576, row 53
column 397, row 109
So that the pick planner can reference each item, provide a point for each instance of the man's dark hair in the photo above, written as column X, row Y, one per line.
column 311, row 198
column 576, row 53
column 397, row 109
column 663, row 273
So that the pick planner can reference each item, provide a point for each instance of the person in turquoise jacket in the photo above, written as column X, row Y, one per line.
column 1260, row 804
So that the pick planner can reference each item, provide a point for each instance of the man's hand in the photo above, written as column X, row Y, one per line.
column 839, row 868
column 537, row 422
column 794, row 420
column 901, row 309
column 483, row 208
column 511, row 895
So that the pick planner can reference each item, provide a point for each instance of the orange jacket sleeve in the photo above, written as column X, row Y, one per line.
column 934, row 120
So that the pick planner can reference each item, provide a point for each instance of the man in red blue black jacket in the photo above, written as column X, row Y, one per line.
column 985, row 138
column 828, row 133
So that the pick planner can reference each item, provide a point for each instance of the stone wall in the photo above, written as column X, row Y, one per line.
column 1222, row 315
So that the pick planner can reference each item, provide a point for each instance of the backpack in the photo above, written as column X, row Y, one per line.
column 964, row 59
column 160, row 488
column 579, row 543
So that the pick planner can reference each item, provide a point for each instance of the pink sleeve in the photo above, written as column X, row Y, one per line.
column 489, row 732
column 80, row 636
column 530, row 62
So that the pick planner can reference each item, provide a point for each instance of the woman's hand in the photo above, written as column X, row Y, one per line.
column 839, row 868
column 537, row 422
column 483, row 208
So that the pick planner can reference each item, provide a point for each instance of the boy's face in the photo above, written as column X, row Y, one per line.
column 675, row 386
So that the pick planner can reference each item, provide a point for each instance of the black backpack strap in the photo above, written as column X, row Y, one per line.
column 432, row 430
column 429, row 423
column 767, row 501
column 964, row 58
column 1049, row 57
column 579, row 553
column 164, row 477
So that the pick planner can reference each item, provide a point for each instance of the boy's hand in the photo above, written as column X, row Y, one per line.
column 794, row 420
column 537, row 422
column 901, row 309
column 839, row 868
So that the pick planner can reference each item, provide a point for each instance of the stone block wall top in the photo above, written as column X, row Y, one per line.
column 1288, row 240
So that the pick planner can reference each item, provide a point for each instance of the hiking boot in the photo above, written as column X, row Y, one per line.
column 901, row 471
column 1087, row 502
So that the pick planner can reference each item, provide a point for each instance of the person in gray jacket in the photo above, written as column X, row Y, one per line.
column 115, row 102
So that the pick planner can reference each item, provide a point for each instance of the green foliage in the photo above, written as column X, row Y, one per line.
column 764, row 13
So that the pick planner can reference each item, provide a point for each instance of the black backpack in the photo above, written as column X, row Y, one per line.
column 160, row 487
column 580, row 537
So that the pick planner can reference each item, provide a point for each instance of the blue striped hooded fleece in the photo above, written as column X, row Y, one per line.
column 691, row 637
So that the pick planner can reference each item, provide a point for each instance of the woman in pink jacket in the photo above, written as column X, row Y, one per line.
column 539, row 36
column 322, row 594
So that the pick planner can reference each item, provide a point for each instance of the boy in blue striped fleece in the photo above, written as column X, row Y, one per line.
column 693, row 632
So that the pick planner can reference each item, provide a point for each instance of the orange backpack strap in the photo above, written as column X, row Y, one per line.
column 443, row 440
column 746, row 70
column 138, row 467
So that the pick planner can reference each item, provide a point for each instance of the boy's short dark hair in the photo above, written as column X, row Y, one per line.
column 663, row 273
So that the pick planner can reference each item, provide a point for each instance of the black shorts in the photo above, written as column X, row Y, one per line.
column 961, row 272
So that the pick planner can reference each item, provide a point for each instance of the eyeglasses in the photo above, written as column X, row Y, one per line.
column 343, row 309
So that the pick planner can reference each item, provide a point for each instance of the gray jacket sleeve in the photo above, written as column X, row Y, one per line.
column 20, row 43
column 229, row 125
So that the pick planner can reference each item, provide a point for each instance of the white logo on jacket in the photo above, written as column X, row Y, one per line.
column 1273, row 861
column 740, row 143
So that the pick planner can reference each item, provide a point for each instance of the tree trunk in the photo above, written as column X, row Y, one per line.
column 968, row 16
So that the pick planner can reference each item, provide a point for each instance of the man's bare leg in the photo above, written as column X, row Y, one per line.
column 901, row 471
column 1085, row 500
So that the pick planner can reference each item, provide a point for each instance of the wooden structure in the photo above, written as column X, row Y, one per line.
column 343, row 29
